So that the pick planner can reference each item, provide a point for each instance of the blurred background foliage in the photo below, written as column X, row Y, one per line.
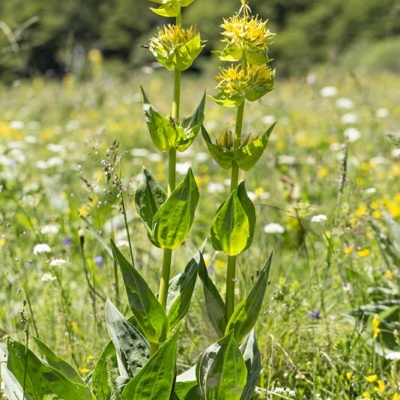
column 53, row 37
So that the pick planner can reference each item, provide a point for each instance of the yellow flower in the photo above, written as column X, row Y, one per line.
column 366, row 395
column 396, row 396
column 175, row 47
column 95, row 57
column 381, row 388
column 371, row 378
column 349, row 375
column 348, row 250
column 363, row 253
column 83, row 371
column 236, row 84
column 2, row 241
column 375, row 324
column 246, row 37
column 389, row 274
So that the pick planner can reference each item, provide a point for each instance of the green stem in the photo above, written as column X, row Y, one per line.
column 167, row 255
column 231, row 268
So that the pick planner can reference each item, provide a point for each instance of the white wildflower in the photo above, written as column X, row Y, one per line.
column 286, row 160
column 382, row 113
column 48, row 277
column 215, row 187
column 370, row 190
column 57, row 262
column 349, row 118
column 140, row 152
column 328, row 91
column 16, row 125
column 352, row 134
column 49, row 229
column 268, row 119
column 319, row 218
column 344, row 103
column 182, row 168
column 41, row 248
column 393, row 355
column 395, row 153
column 274, row 228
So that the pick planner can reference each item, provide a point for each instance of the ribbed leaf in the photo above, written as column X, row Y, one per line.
column 174, row 219
column 145, row 307
column 221, row 370
column 246, row 313
column 131, row 347
column 156, row 378
column 41, row 379
column 58, row 363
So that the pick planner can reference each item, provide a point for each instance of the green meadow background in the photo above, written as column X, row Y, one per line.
column 326, row 191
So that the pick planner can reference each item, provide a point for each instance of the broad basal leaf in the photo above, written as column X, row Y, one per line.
column 155, row 380
column 132, row 349
column 41, row 379
column 221, row 370
column 145, row 307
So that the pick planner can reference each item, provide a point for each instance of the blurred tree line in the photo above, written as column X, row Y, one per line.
column 38, row 36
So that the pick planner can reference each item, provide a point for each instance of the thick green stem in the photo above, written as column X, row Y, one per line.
column 231, row 268
column 166, row 269
column 167, row 255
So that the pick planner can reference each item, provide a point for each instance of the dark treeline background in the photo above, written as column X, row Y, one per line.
column 38, row 36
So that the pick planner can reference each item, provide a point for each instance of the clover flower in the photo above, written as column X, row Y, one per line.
column 175, row 47
column 246, row 37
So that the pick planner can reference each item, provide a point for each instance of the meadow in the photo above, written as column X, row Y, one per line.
column 327, row 199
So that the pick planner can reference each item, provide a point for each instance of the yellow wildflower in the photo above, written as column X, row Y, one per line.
column 349, row 375
column 366, row 395
column 83, row 371
column 348, row 250
column 363, row 253
column 246, row 37
column 375, row 324
column 236, row 84
column 381, row 388
column 389, row 274
column 371, row 378
column 175, row 47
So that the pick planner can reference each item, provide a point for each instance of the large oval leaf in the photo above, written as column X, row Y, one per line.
column 131, row 347
column 230, row 228
column 221, row 370
column 174, row 219
column 156, row 378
